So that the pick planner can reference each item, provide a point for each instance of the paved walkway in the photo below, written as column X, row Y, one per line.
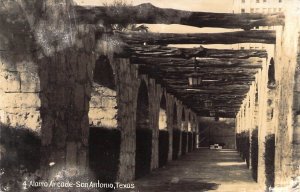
column 201, row 170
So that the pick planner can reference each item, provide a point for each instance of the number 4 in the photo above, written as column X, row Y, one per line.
column 24, row 185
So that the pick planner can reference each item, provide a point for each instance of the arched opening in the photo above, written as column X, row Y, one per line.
column 184, row 134
column 104, row 137
column 176, row 134
column 103, row 73
column 163, row 133
column 271, row 74
column 143, row 133
column 190, row 133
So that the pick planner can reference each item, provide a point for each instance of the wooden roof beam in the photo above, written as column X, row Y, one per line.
column 253, row 36
column 147, row 13
column 187, row 53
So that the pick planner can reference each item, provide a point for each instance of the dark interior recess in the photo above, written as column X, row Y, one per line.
column 143, row 152
column 184, row 142
column 254, row 153
column 243, row 146
column 270, row 160
column 163, row 147
column 143, row 134
column 104, row 153
column 20, row 153
column 103, row 73
column 271, row 74
column 190, row 141
column 176, row 143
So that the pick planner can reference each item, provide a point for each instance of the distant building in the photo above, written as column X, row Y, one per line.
column 258, row 6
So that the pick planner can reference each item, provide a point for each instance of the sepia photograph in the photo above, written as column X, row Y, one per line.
column 149, row 95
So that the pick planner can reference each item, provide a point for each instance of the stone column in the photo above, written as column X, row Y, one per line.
column 287, row 129
column 170, row 110
column 127, row 92
column 262, row 126
column 66, row 60
column 154, row 101
column 179, row 122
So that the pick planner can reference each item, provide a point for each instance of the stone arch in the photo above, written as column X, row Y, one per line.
column 143, row 133
column 176, row 133
column 104, row 137
column 103, row 103
column 189, row 122
column 163, row 133
column 271, row 74
column 163, row 113
column 103, row 73
column 190, row 133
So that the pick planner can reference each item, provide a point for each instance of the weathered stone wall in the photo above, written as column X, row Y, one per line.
column 222, row 131
column 127, row 81
column 19, row 80
column 287, row 108
column 19, row 90
column 103, row 107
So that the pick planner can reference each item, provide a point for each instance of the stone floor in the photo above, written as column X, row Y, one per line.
column 201, row 170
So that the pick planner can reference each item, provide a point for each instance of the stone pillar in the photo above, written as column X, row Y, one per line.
column 66, row 60
column 251, row 126
column 170, row 110
column 262, row 125
column 154, row 102
column 127, row 91
column 179, row 122
column 287, row 129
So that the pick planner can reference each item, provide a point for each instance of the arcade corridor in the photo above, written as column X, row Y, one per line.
column 139, row 93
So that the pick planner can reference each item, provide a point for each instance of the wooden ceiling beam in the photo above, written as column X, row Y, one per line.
column 253, row 36
column 179, row 54
column 149, row 14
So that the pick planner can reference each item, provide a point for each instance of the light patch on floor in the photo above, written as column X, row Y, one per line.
column 230, row 163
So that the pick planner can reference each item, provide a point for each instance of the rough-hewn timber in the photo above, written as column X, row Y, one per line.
column 186, row 53
column 147, row 13
column 226, row 74
column 253, row 36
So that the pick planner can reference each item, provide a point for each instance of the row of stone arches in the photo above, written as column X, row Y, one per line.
column 105, row 134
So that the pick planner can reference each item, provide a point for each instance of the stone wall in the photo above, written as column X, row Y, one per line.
column 222, row 131
column 103, row 107
column 19, row 91
column 287, row 108
column 19, row 79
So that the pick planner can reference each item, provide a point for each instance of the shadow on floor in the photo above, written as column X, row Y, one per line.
column 191, row 186
column 201, row 170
